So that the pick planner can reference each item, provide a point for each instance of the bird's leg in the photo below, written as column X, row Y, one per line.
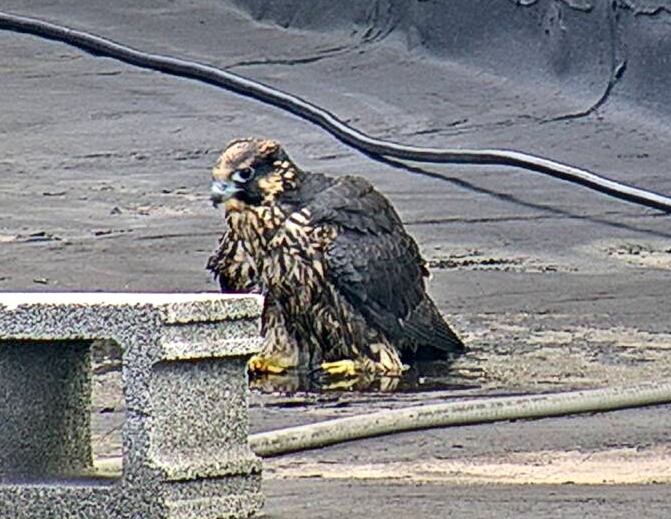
column 260, row 364
column 383, row 361
column 362, row 375
column 280, row 350
column 345, row 368
column 275, row 357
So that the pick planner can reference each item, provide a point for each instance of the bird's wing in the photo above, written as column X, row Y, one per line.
column 352, row 203
column 377, row 266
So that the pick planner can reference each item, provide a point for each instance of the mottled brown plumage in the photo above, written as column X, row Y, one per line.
column 342, row 278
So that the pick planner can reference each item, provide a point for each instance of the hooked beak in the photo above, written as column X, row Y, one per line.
column 222, row 191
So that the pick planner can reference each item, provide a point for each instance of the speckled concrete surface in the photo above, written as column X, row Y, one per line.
column 184, row 441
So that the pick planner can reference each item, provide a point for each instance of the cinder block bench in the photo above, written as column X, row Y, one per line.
column 185, row 451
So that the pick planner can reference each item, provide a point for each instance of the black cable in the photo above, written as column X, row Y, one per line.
column 326, row 120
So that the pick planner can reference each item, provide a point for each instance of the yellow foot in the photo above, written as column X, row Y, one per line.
column 359, row 375
column 341, row 368
column 258, row 364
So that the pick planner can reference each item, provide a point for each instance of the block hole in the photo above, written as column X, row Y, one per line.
column 56, row 417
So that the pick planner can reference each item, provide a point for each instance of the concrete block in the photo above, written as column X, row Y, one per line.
column 185, row 450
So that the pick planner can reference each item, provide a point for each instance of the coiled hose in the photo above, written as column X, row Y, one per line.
column 324, row 119
column 330, row 432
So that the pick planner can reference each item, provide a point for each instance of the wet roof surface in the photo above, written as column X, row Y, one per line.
column 106, row 173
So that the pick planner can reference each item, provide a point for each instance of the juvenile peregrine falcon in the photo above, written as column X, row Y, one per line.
column 344, row 282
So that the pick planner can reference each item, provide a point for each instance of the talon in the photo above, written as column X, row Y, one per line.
column 258, row 364
column 341, row 368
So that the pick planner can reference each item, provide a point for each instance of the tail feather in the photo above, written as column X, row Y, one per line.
column 427, row 328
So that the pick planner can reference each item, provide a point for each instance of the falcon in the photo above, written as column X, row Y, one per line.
column 344, row 283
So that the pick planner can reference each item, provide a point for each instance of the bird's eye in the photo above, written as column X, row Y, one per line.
column 243, row 175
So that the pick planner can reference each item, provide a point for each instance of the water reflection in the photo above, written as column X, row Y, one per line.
column 429, row 376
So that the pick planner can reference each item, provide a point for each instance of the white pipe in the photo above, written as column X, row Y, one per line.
column 329, row 432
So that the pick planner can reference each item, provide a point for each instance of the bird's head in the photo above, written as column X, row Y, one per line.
column 253, row 172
